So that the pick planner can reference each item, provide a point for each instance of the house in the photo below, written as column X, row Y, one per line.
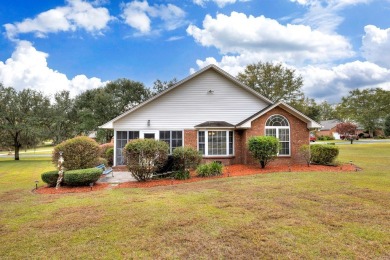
column 215, row 113
column 329, row 128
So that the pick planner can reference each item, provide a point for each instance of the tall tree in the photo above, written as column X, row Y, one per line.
column 274, row 81
column 63, row 118
column 96, row 107
column 368, row 107
column 309, row 107
column 21, row 116
column 327, row 111
column 160, row 86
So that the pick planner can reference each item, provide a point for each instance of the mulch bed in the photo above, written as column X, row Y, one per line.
column 71, row 189
column 229, row 171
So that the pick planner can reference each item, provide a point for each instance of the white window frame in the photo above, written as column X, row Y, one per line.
column 206, row 140
column 155, row 132
column 277, row 128
column 170, row 138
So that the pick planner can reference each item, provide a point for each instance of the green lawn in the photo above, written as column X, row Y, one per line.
column 280, row 215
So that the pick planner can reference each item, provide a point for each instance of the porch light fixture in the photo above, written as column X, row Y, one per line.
column 148, row 123
column 36, row 184
column 91, row 185
column 210, row 91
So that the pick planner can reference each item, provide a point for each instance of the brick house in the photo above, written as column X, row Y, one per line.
column 216, row 114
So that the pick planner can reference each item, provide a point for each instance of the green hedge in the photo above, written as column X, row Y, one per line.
column 209, row 169
column 82, row 177
column 50, row 178
column 323, row 154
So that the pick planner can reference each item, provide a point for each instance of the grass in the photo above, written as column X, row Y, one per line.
column 281, row 215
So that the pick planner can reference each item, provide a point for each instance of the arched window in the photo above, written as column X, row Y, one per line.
column 279, row 127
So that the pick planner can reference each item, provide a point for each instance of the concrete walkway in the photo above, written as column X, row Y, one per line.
column 119, row 177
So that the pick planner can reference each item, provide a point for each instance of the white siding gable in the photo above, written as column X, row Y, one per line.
column 191, row 104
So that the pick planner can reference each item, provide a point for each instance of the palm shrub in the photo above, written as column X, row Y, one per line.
column 323, row 153
column 263, row 148
column 145, row 156
column 79, row 153
column 184, row 159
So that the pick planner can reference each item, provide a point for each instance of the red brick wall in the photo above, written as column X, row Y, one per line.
column 191, row 138
column 299, row 135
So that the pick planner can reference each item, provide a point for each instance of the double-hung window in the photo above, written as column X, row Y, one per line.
column 172, row 138
column 279, row 127
column 216, row 142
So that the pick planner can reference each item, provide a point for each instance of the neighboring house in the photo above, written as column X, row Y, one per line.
column 329, row 128
column 213, row 112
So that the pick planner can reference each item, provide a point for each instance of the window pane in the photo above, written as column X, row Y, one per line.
column 270, row 132
column 230, row 142
column 284, row 148
column 217, row 143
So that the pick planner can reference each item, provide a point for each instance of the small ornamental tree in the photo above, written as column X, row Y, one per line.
column 145, row 156
column 184, row 159
column 304, row 151
column 348, row 130
column 263, row 148
column 80, row 152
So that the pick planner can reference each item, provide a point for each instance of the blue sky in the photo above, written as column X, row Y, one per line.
column 51, row 45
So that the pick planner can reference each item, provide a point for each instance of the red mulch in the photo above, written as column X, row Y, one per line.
column 71, row 189
column 229, row 171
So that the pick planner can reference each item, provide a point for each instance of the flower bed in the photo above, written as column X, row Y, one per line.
column 229, row 171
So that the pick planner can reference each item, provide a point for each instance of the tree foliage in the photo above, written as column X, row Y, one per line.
column 368, row 107
column 160, row 86
column 347, row 129
column 274, row 81
column 22, row 115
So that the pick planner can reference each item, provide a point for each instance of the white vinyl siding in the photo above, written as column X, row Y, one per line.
column 191, row 104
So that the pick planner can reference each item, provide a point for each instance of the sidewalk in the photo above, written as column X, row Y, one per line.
column 119, row 177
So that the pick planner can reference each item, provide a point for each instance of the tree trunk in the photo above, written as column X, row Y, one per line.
column 262, row 163
column 17, row 147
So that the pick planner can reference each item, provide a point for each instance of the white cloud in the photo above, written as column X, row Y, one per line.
column 220, row 3
column 251, row 39
column 28, row 68
column 139, row 15
column 331, row 84
column 77, row 14
column 376, row 45
column 324, row 15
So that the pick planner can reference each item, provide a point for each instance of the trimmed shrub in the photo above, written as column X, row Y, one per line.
column 323, row 153
column 79, row 153
column 82, row 177
column 50, row 178
column 102, row 161
column 209, row 169
column 185, row 158
column 110, row 156
column 104, row 152
column 145, row 156
column 263, row 148
column 181, row 175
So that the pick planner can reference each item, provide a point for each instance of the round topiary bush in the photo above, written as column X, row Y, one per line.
column 79, row 153
column 82, row 177
column 50, row 178
column 185, row 158
column 263, row 148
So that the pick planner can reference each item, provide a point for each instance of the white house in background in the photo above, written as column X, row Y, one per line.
column 215, row 113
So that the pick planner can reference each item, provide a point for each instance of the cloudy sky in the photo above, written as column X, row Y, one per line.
column 52, row 45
